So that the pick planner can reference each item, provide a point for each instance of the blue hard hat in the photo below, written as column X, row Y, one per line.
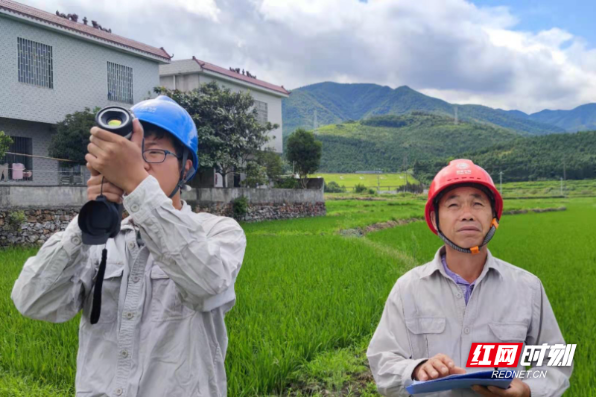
column 165, row 113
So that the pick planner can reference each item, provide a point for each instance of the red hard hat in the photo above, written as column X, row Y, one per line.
column 459, row 172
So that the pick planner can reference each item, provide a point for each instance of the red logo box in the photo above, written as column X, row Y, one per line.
column 504, row 355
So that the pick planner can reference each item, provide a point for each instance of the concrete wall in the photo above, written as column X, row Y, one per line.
column 277, row 196
column 80, row 74
column 20, row 197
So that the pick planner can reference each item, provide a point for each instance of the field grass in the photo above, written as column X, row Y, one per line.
column 548, row 188
column 368, row 180
column 309, row 298
column 569, row 188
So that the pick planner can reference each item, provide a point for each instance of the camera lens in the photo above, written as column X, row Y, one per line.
column 115, row 119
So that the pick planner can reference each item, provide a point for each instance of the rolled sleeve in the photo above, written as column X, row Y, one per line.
column 144, row 199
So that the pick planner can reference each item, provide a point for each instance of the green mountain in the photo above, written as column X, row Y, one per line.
column 335, row 103
column 383, row 142
column 545, row 157
column 582, row 118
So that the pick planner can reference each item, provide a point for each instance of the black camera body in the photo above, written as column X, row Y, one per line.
column 100, row 219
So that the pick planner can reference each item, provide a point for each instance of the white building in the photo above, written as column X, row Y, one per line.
column 51, row 66
column 189, row 74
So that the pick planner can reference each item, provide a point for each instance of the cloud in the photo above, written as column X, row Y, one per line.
column 450, row 49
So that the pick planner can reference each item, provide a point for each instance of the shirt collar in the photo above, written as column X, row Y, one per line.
column 436, row 265
column 456, row 277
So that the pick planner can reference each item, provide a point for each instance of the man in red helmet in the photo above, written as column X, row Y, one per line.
column 436, row 311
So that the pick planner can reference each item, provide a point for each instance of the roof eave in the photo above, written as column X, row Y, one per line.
column 245, row 83
column 83, row 36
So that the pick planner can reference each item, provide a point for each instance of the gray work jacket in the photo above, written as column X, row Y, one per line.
column 168, row 283
column 425, row 314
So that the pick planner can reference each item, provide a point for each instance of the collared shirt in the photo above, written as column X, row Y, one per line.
column 161, row 331
column 466, row 287
column 425, row 314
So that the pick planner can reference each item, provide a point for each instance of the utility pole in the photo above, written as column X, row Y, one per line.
column 561, row 186
column 378, row 184
column 501, row 182
column 406, row 170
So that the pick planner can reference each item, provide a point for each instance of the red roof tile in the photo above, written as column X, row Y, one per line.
column 226, row 72
column 34, row 13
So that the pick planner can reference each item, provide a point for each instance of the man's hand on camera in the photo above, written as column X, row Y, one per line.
column 436, row 367
column 94, row 188
column 117, row 158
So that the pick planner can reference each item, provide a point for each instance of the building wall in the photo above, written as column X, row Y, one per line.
column 45, row 171
column 80, row 75
column 188, row 82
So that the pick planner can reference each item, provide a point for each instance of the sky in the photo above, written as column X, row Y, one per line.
column 510, row 54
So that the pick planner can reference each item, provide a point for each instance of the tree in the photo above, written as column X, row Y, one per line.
column 72, row 136
column 304, row 151
column 256, row 175
column 272, row 162
column 5, row 142
column 229, row 133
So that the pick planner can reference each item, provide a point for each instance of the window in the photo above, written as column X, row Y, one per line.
column 35, row 63
column 261, row 112
column 22, row 146
column 119, row 83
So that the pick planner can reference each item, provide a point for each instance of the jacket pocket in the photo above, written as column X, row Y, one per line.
column 110, row 294
column 426, row 335
column 166, row 304
column 509, row 332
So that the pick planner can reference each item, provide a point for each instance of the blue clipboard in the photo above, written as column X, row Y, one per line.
column 464, row 381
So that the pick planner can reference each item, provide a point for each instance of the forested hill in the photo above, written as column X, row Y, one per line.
column 383, row 142
column 335, row 103
column 522, row 159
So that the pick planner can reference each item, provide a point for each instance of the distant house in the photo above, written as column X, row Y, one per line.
column 188, row 74
column 51, row 66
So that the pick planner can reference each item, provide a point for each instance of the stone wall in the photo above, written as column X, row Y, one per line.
column 44, row 217
column 266, row 211
column 39, row 225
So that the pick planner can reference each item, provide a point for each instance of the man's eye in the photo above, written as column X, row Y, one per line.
column 154, row 152
column 478, row 204
column 452, row 205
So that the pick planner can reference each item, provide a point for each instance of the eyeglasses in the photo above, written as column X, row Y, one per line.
column 157, row 155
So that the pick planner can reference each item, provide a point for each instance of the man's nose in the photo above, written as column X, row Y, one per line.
column 467, row 215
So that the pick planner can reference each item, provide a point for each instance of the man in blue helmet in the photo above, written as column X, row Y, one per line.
column 170, row 273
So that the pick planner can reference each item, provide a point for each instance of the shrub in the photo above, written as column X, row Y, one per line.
column 333, row 187
column 15, row 219
column 239, row 207
column 359, row 188
column 287, row 183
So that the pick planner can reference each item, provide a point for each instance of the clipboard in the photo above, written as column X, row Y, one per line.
column 464, row 381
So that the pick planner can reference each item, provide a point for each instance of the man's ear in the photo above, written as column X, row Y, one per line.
column 187, row 167
column 433, row 219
